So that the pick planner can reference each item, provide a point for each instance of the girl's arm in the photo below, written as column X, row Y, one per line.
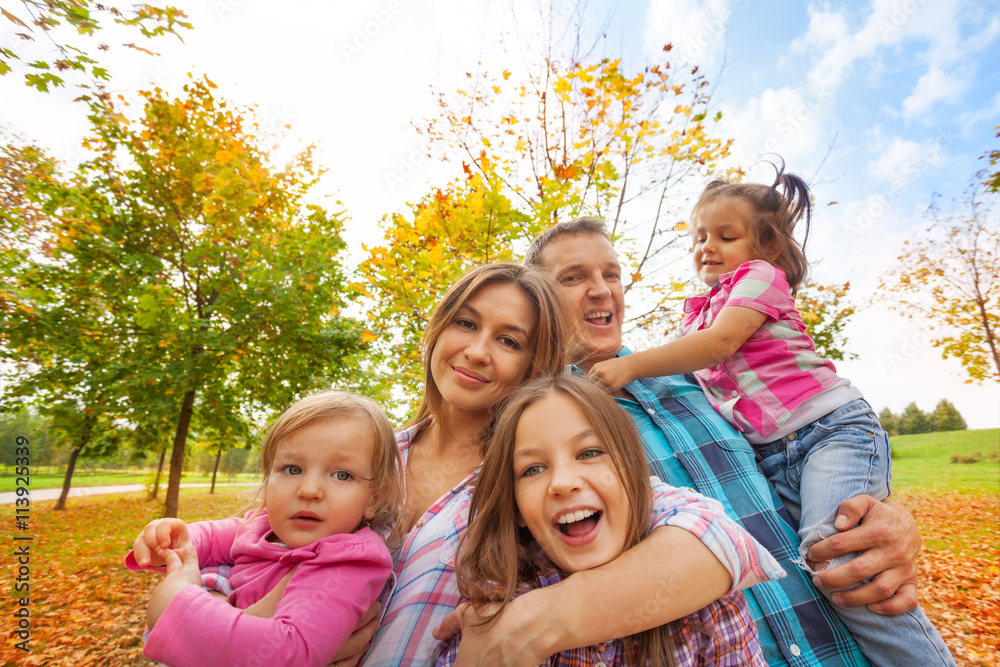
column 689, row 353
column 694, row 555
column 319, row 609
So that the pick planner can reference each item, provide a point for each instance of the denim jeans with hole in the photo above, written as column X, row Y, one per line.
column 841, row 455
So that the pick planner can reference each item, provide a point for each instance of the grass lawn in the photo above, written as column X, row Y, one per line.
column 924, row 461
column 54, row 479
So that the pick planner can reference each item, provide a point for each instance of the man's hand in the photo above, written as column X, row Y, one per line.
column 613, row 373
column 182, row 571
column 889, row 542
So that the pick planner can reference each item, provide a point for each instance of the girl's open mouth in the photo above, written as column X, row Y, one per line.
column 578, row 523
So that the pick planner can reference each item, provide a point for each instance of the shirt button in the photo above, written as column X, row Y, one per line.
column 734, row 393
column 796, row 651
column 420, row 524
column 599, row 664
column 651, row 411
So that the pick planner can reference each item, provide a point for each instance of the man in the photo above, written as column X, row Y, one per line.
column 688, row 444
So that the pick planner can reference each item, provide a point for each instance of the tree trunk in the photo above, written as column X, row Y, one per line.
column 61, row 503
column 215, row 470
column 177, row 456
column 159, row 473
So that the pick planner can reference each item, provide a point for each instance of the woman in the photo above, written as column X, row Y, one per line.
column 499, row 326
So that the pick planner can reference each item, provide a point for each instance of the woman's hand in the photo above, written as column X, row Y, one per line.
column 500, row 642
column 157, row 536
column 356, row 645
column 182, row 571
column 889, row 542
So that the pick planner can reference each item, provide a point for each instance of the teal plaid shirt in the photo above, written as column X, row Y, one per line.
column 689, row 444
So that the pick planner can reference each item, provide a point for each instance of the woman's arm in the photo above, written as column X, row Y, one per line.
column 668, row 575
column 693, row 556
column 691, row 352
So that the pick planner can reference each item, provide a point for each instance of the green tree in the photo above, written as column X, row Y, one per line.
column 38, row 20
column 889, row 421
column 946, row 417
column 220, row 288
column 950, row 279
column 913, row 420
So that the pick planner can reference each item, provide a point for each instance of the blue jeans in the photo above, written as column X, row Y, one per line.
column 841, row 455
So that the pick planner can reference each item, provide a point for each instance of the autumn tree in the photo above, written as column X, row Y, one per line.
column 215, row 284
column 54, row 52
column 949, row 278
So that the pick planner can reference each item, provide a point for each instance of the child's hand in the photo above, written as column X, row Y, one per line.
column 613, row 373
column 150, row 546
column 182, row 571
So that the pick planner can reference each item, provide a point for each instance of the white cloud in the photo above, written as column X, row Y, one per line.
column 933, row 86
column 905, row 160
column 697, row 29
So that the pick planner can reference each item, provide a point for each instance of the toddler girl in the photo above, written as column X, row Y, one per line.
column 816, row 439
column 564, row 487
column 331, row 475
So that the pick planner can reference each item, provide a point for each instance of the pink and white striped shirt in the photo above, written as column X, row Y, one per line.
column 777, row 369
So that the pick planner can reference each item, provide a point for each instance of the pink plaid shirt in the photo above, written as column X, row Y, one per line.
column 426, row 590
column 777, row 368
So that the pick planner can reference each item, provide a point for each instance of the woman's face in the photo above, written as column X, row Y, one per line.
column 486, row 352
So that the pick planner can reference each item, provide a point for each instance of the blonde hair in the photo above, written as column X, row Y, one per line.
column 387, row 477
column 496, row 558
column 776, row 212
column 550, row 344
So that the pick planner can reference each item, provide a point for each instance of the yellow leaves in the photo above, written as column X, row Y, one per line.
column 681, row 226
column 521, row 145
column 506, row 75
column 566, row 172
column 367, row 336
column 636, row 276
column 224, row 156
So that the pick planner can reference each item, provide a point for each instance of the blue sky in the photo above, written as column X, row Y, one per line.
column 879, row 104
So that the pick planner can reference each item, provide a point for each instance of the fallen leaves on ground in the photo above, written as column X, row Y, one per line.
column 87, row 609
column 959, row 571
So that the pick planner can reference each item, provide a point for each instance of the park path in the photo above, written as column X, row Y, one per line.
column 53, row 494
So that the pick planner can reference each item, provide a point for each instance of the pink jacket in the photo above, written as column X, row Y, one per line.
column 336, row 580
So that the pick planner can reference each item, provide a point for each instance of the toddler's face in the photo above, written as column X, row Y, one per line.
column 567, row 490
column 721, row 238
column 320, row 481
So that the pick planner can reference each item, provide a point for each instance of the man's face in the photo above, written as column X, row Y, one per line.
column 586, row 266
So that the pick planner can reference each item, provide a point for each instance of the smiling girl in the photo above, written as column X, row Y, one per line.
column 565, row 488
column 331, row 470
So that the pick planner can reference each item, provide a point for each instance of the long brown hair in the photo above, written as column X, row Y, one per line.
column 777, row 209
column 496, row 558
column 549, row 347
